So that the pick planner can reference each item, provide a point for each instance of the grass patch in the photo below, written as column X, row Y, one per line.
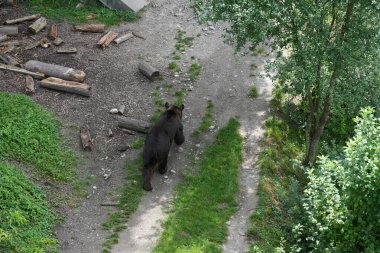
column 174, row 66
column 280, row 187
column 206, row 120
column 180, row 97
column 176, row 57
column 194, row 71
column 138, row 143
column 167, row 85
column 157, row 99
column 183, row 41
column 206, row 200
column 156, row 115
column 61, row 10
column 26, row 219
column 253, row 92
column 128, row 202
column 30, row 134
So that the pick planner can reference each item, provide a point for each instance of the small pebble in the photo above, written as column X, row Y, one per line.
column 114, row 110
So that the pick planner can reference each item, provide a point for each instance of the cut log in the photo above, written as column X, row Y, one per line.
column 3, row 37
column 56, row 71
column 67, row 50
column 21, row 71
column 29, row 85
column 9, row 30
column 86, row 139
column 19, row 20
column 107, row 39
column 38, row 25
column 9, row 60
column 148, row 71
column 53, row 33
column 67, row 86
column 58, row 41
column 123, row 38
column 95, row 28
column 132, row 124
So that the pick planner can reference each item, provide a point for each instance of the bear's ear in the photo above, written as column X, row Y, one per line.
column 182, row 107
column 167, row 105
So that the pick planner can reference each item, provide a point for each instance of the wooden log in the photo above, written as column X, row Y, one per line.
column 11, row 43
column 132, row 124
column 107, row 39
column 9, row 30
column 19, row 20
column 55, row 71
column 67, row 50
column 86, row 138
column 38, row 25
column 95, row 28
column 29, row 85
column 123, row 38
column 9, row 60
column 3, row 37
column 58, row 41
column 66, row 86
column 21, row 71
column 148, row 71
column 53, row 32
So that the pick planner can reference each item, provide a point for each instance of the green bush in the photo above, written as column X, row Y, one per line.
column 26, row 220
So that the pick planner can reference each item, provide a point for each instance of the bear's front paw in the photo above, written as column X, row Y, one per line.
column 147, row 187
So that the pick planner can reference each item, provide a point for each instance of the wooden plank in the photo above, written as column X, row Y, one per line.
column 38, row 25
column 66, row 86
column 53, row 32
column 86, row 139
column 29, row 85
column 9, row 30
column 67, row 50
column 107, row 39
column 123, row 38
column 21, row 71
column 8, row 59
column 148, row 70
column 132, row 124
column 19, row 20
column 56, row 70
column 95, row 28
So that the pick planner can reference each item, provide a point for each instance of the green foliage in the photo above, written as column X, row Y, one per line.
column 156, row 115
column 206, row 120
column 180, row 97
column 30, row 134
column 280, row 187
column 26, row 219
column 253, row 92
column 183, row 41
column 342, row 200
column 128, row 202
column 138, row 143
column 173, row 66
column 157, row 99
column 61, row 10
column 194, row 71
column 206, row 200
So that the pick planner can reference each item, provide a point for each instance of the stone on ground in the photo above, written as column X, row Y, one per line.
column 134, row 5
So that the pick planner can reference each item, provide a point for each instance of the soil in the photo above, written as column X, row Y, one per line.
column 112, row 73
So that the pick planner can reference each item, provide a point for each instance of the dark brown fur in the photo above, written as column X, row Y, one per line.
column 159, row 140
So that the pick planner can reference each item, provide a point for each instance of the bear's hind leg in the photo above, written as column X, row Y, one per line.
column 148, row 173
column 163, row 166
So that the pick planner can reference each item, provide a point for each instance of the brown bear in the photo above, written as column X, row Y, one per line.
column 167, row 128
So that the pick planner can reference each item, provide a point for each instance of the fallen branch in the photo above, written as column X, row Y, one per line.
column 132, row 124
column 19, row 20
column 66, row 86
column 123, row 38
column 95, row 28
column 67, row 50
column 21, row 71
column 107, row 39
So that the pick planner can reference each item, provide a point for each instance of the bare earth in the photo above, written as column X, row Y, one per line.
column 115, row 80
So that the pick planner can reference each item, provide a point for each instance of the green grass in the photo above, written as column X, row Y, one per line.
column 173, row 66
column 157, row 99
column 128, row 202
column 167, row 85
column 61, row 10
column 156, row 115
column 30, row 134
column 180, row 97
column 138, row 143
column 183, row 41
column 194, row 71
column 206, row 120
column 206, row 200
column 26, row 219
column 280, row 187
column 253, row 92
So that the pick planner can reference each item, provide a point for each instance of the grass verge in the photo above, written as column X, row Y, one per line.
column 280, row 187
column 206, row 120
column 30, row 134
column 26, row 219
column 206, row 200
column 128, row 203
column 91, row 11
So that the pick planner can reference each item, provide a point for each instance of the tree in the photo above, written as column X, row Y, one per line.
column 330, row 44
column 342, row 198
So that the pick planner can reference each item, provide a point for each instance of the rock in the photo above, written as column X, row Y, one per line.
column 123, row 148
column 211, row 28
column 205, row 29
column 209, row 23
column 94, row 187
column 228, row 223
column 211, row 127
column 198, row 145
column 114, row 111
column 180, row 149
column 172, row 171
column 79, row 6
column 166, row 177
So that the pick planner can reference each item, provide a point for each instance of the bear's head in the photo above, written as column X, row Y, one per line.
column 174, row 110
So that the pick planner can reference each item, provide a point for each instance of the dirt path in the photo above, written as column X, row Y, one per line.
column 115, row 80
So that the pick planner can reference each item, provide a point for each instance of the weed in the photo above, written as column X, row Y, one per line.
column 183, row 41
column 156, row 115
column 173, row 66
column 157, row 99
column 180, row 97
column 253, row 92
column 206, row 200
column 194, row 71
column 92, row 10
column 176, row 57
column 128, row 202
column 167, row 85
column 138, row 143
column 206, row 120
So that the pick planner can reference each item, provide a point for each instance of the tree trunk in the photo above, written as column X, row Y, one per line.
column 132, row 124
column 67, row 86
